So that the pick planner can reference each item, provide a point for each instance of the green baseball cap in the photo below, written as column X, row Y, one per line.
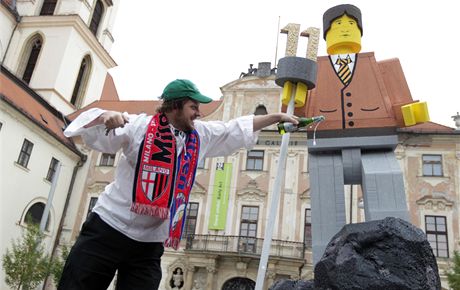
column 181, row 88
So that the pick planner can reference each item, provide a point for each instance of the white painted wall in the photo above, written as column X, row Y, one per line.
column 7, row 23
column 21, row 187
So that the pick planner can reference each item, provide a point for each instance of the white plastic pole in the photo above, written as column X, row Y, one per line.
column 275, row 201
column 46, row 211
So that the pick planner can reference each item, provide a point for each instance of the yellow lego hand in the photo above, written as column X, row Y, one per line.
column 300, row 94
column 415, row 113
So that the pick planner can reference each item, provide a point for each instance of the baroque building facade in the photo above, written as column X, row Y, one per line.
column 220, row 251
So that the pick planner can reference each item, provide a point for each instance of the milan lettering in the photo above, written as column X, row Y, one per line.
column 148, row 147
column 164, row 155
column 155, row 169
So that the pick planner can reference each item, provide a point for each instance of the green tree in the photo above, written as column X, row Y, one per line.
column 26, row 265
column 453, row 275
column 57, row 265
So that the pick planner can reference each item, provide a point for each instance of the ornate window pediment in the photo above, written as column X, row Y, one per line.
column 97, row 188
column 251, row 194
column 435, row 203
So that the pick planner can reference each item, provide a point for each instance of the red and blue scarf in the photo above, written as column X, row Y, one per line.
column 163, row 180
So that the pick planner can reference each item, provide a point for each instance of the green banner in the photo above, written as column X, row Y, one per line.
column 218, row 216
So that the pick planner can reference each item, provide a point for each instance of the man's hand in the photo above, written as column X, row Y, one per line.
column 112, row 120
column 262, row 121
column 288, row 118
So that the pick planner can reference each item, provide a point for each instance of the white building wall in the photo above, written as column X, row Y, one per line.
column 21, row 187
column 7, row 24
column 290, row 197
column 28, row 7
column 80, row 8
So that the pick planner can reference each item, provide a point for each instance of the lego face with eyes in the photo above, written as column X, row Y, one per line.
column 344, row 36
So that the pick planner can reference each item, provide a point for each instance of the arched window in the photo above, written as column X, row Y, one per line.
column 81, row 82
column 260, row 110
column 31, row 54
column 239, row 283
column 48, row 7
column 97, row 16
column 34, row 214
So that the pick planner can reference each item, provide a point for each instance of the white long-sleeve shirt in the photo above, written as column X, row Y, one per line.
column 113, row 206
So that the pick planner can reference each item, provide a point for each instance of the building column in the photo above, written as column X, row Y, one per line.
column 189, row 278
column 270, row 279
column 210, row 277
column 270, row 276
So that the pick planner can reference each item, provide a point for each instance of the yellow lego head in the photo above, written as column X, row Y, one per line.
column 344, row 36
column 342, row 29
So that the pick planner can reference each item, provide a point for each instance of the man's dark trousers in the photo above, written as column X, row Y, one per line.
column 101, row 250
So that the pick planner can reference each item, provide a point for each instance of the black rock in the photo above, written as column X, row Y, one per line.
column 388, row 254
column 287, row 284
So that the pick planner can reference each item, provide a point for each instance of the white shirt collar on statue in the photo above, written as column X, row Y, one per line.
column 351, row 65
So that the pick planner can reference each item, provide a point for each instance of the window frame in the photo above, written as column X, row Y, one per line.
column 260, row 110
column 192, row 215
column 81, row 82
column 95, row 23
column 254, row 159
column 248, row 243
column 48, row 7
column 104, row 162
column 36, row 220
column 52, row 169
column 25, row 152
column 307, row 237
column 91, row 203
column 201, row 164
column 437, row 233
column 432, row 164
column 32, row 55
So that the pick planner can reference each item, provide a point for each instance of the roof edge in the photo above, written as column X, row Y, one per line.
column 33, row 94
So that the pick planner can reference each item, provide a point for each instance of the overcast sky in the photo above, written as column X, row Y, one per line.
column 212, row 42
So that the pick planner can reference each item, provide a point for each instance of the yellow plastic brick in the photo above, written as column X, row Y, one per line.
column 287, row 92
column 408, row 115
column 421, row 112
column 300, row 95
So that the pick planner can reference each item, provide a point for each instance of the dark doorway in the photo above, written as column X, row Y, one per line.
column 239, row 283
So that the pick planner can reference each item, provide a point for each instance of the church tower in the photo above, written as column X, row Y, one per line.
column 59, row 48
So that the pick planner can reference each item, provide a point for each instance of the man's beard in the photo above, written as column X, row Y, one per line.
column 183, row 123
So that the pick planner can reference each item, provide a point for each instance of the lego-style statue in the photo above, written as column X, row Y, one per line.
column 363, row 102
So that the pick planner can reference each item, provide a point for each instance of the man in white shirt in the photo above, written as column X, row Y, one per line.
column 143, row 209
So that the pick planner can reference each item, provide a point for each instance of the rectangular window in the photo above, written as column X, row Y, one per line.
column 436, row 232
column 248, row 229
column 201, row 163
column 190, row 221
column 48, row 7
column 307, row 228
column 52, row 169
column 432, row 165
column 107, row 159
column 255, row 160
column 92, row 203
column 25, row 153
